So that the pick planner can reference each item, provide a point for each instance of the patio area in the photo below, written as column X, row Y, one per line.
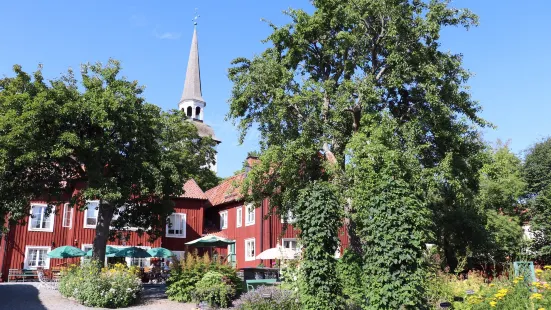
column 29, row 296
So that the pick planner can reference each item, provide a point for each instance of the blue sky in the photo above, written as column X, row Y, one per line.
column 508, row 53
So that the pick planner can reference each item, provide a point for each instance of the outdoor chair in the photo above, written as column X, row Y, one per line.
column 51, row 284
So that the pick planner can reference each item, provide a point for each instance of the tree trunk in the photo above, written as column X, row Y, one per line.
column 105, row 215
column 354, row 242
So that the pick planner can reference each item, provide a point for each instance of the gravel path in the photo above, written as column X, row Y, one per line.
column 28, row 296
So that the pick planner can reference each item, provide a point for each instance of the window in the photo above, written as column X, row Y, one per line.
column 189, row 111
column 223, row 219
column 197, row 112
column 91, row 214
column 117, row 214
column 289, row 218
column 249, row 249
column 290, row 243
column 239, row 217
column 35, row 256
column 140, row 262
column 249, row 216
column 86, row 248
column 39, row 221
column 176, row 226
column 67, row 215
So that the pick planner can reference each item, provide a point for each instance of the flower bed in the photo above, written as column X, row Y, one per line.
column 503, row 293
column 93, row 286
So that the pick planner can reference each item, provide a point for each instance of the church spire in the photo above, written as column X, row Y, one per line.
column 192, row 85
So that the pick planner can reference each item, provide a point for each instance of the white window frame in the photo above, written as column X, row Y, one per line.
column 85, row 248
column 289, row 218
column 67, row 209
column 224, row 219
column 248, row 213
column 32, row 247
column 51, row 216
column 239, row 219
column 184, row 229
column 248, row 257
column 297, row 247
column 86, row 214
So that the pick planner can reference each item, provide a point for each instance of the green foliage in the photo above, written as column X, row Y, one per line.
column 310, row 93
column 215, row 289
column 505, row 237
column 184, row 276
column 57, row 135
column 317, row 208
column 349, row 272
column 95, row 287
column 537, row 167
column 540, row 211
column 395, row 220
column 501, row 182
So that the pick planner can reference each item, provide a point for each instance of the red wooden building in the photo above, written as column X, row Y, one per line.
column 219, row 211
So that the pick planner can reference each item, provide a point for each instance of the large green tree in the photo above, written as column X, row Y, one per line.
column 101, row 138
column 537, row 173
column 324, row 72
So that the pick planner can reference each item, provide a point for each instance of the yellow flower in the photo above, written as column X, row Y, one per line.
column 493, row 303
column 546, row 285
column 548, row 267
column 536, row 296
column 515, row 281
column 539, row 271
column 492, row 285
column 541, row 308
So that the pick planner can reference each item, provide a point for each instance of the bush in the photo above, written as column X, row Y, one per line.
column 93, row 286
column 281, row 299
column 185, row 275
column 215, row 289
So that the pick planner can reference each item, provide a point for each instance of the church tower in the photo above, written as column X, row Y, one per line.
column 192, row 102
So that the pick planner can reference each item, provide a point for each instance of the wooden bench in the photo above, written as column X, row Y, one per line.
column 21, row 274
column 252, row 284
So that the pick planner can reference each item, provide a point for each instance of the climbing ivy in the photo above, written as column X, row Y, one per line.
column 317, row 208
column 393, row 217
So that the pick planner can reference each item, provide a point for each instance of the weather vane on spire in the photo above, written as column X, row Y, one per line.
column 194, row 20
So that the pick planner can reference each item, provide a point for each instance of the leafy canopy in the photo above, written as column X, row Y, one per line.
column 98, row 140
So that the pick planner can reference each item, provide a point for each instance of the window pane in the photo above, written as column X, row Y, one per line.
column 92, row 214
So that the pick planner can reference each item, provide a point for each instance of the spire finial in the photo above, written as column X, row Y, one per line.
column 195, row 18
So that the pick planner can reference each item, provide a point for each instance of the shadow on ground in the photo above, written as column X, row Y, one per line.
column 20, row 297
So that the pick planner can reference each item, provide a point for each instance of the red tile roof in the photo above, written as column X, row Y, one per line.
column 193, row 191
column 226, row 191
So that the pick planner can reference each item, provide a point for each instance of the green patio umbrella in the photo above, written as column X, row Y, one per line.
column 160, row 252
column 132, row 252
column 66, row 251
column 109, row 252
column 210, row 241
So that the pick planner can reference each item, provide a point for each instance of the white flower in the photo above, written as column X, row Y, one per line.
column 294, row 278
column 296, row 289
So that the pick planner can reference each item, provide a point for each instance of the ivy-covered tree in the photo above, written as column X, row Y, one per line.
column 316, row 211
column 324, row 72
column 101, row 139
column 389, row 192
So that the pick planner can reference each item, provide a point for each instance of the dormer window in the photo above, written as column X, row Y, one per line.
column 189, row 112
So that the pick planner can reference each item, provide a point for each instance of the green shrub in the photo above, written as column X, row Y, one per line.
column 215, row 289
column 185, row 275
column 93, row 286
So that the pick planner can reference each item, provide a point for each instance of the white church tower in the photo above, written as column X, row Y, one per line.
column 192, row 102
